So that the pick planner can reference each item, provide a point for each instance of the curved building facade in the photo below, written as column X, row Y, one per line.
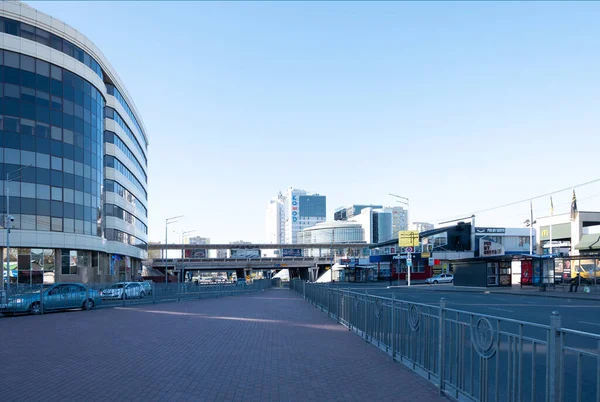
column 73, row 156
column 336, row 233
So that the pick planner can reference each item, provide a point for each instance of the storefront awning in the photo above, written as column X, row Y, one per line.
column 589, row 242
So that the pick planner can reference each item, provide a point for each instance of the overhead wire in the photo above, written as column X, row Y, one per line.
column 510, row 204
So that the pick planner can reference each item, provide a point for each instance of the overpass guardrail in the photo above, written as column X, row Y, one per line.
column 40, row 299
column 470, row 356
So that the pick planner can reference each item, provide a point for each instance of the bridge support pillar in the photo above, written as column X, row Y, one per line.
column 239, row 272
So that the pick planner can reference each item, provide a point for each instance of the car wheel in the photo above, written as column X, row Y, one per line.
column 451, row 280
column 436, row 282
column 35, row 308
column 142, row 294
column 88, row 304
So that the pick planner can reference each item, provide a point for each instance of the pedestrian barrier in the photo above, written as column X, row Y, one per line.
column 470, row 356
column 21, row 299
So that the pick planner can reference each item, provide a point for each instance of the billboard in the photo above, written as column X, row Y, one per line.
column 244, row 253
column 201, row 253
column 291, row 252
column 488, row 248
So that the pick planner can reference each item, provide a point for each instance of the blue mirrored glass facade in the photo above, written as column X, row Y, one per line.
column 51, row 122
column 77, row 183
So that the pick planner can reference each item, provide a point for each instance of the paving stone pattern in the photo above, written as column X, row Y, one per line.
column 268, row 346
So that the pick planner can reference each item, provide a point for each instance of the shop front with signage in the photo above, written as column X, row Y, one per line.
column 483, row 272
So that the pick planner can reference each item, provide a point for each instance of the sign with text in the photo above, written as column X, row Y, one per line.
column 488, row 248
column 408, row 238
column 489, row 230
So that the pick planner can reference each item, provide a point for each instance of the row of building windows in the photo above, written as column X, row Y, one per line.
column 53, row 178
column 29, row 159
column 114, row 91
column 41, row 36
column 45, row 192
column 57, row 209
column 56, row 224
column 113, row 138
column 117, row 188
column 39, row 74
column 126, row 238
column 70, row 262
column 118, row 212
column 32, row 104
column 111, row 113
column 112, row 162
column 25, row 142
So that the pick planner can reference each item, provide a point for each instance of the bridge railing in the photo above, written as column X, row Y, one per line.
column 38, row 299
column 470, row 356
column 159, row 261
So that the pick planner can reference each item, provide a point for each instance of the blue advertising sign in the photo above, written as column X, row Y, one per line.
column 291, row 252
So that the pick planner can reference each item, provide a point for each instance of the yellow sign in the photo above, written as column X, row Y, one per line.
column 425, row 255
column 408, row 238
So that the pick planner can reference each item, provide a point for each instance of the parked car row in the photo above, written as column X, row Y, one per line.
column 64, row 296
column 126, row 290
column 60, row 296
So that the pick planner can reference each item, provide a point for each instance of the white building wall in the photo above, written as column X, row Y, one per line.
column 399, row 219
column 365, row 218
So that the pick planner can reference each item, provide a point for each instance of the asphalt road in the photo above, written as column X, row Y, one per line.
column 581, row 315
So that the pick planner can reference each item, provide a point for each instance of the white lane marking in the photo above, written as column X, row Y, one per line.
column 501, row 309
column 590, row 323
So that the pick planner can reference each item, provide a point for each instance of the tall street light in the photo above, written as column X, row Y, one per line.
column 8, row 220
column 183, row 235
column 402, row 200
column 168, row 221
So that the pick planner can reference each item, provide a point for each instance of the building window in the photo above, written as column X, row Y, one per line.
column 69, row 262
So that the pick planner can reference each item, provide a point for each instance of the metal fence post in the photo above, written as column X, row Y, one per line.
column 87, row 295
column 442, row 344
column 393, row 328
column 554, row 351
column 365, row 311
column 42, row 298
column 304, row 290
column 153, row 293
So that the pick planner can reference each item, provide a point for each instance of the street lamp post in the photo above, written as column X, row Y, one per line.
column 183, row 233
column 168, row 221
column 403, row 200
column 8, row 220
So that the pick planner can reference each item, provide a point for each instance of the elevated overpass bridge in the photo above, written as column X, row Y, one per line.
column 298, row 266
column 231, row 264
column 313, row 246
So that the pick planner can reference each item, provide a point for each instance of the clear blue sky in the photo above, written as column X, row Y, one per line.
column 458, row 106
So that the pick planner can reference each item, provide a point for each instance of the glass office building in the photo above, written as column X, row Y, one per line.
column 335, row 233
column 73, row 156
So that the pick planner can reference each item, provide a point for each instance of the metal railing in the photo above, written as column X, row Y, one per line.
column 39, row 299
column 470, row 356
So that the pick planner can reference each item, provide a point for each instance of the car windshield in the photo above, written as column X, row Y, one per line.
column 116, row 286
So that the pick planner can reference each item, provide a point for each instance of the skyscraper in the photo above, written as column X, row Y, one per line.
column 399, row 220
column 292, row 211
column 274, row 221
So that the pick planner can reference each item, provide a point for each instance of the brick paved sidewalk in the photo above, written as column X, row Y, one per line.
column 270, row 346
